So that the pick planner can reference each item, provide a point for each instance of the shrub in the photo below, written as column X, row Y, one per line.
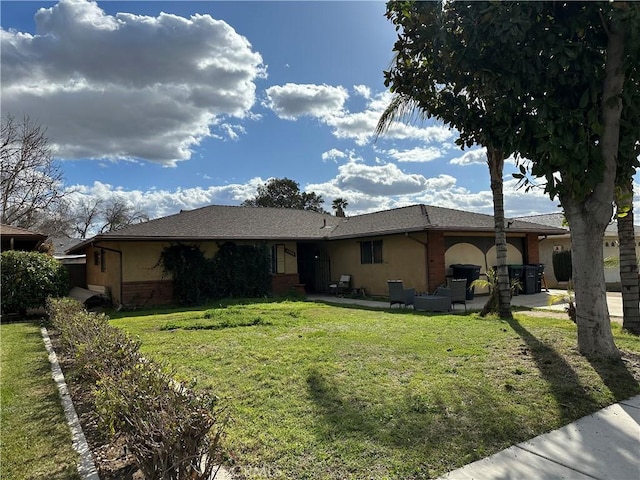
column 235, row 271
column 167, row 427
column 190, row 271
column 28, row 278
column 562, row 267
column 99, row 349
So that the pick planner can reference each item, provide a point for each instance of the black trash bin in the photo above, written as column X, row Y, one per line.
column 530, row 279
column 539, row 277
column 516, row 273
column 468, row 271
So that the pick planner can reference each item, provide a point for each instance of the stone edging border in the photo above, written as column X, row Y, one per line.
column 86, row 466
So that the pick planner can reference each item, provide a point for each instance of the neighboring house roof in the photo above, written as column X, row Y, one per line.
column 557, row 220
column 62, row 244
column 219, row 222
column 19, row 232
column 19, row 238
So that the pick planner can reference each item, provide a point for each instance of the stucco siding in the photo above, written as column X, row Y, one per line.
column 403, row 258
column 609, row 249
column 103, row 270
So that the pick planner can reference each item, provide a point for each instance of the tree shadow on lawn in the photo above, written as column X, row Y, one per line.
column 573, row 399
column 616, row 375
column 429, row 433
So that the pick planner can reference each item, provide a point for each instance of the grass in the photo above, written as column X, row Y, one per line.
column 35, row 441
column 324, row 392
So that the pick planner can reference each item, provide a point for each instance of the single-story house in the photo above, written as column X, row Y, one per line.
column 75, row 264
column 417, row 244
column 557, row 243
column 17, row 238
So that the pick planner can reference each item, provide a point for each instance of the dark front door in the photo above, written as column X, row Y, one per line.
column 314, row 267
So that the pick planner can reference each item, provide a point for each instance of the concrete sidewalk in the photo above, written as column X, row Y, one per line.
column 604, row 446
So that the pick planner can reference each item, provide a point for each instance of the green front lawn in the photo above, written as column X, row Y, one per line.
column 35, row 440
column 323, row 392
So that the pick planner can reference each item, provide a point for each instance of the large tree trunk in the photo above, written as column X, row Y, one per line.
column 592, row 314
column 589, row 217
column 628, row 262
column 495, row 160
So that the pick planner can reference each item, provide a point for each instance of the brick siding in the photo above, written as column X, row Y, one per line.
column 282, row 283
column 533, row 251
column 153, row 292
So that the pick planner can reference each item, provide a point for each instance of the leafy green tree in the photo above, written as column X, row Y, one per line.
column 563, row 66
column 28, row 278
column 339, row 204
column 432, row 77
column 285, row 193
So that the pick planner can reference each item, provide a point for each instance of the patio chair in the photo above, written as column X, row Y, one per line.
column 341, row 286
column 400, row 295
column 458, row 287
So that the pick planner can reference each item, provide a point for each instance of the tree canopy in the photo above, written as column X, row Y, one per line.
column 30, row 179
column 285, row 193
column 559, row 73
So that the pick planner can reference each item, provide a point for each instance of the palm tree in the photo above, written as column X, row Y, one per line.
column 404, row 107
column 339, row 204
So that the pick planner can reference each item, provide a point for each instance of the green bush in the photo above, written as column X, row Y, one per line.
column 235, row 271
column 241, row 271
column 562, row 267
column 28, row 278
column 98, row 348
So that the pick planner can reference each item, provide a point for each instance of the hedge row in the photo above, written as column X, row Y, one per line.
column 173, row 432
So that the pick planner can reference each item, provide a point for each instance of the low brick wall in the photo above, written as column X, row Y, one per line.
column 153, row 292
column 283, row 283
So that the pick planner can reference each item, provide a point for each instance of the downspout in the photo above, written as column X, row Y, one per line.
column 120, row 256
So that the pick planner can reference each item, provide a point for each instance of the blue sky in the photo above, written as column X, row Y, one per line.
column 205, row 101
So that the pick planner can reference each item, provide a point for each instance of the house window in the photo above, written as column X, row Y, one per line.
column 371, row 252
column 103, row 261
column 96, row 258
column 277, row 258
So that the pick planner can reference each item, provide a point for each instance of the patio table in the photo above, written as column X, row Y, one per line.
column 432, row 303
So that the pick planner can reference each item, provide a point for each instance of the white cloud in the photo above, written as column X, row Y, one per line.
column 362, row 90
column 158, row 203
column 327, row 104
column 471, row 157
column 374, row 180
column 417, row 154
column 333, row 155
column 360, row 126
column 292, row 101
column 128, row 86
column 233, row 131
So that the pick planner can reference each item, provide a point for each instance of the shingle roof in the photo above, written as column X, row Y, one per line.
column 11, row 231
column 427, row 217
column 557, row 220
column 232, row 223
column 218, row 222
column 549, row 219
column 62, row 244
